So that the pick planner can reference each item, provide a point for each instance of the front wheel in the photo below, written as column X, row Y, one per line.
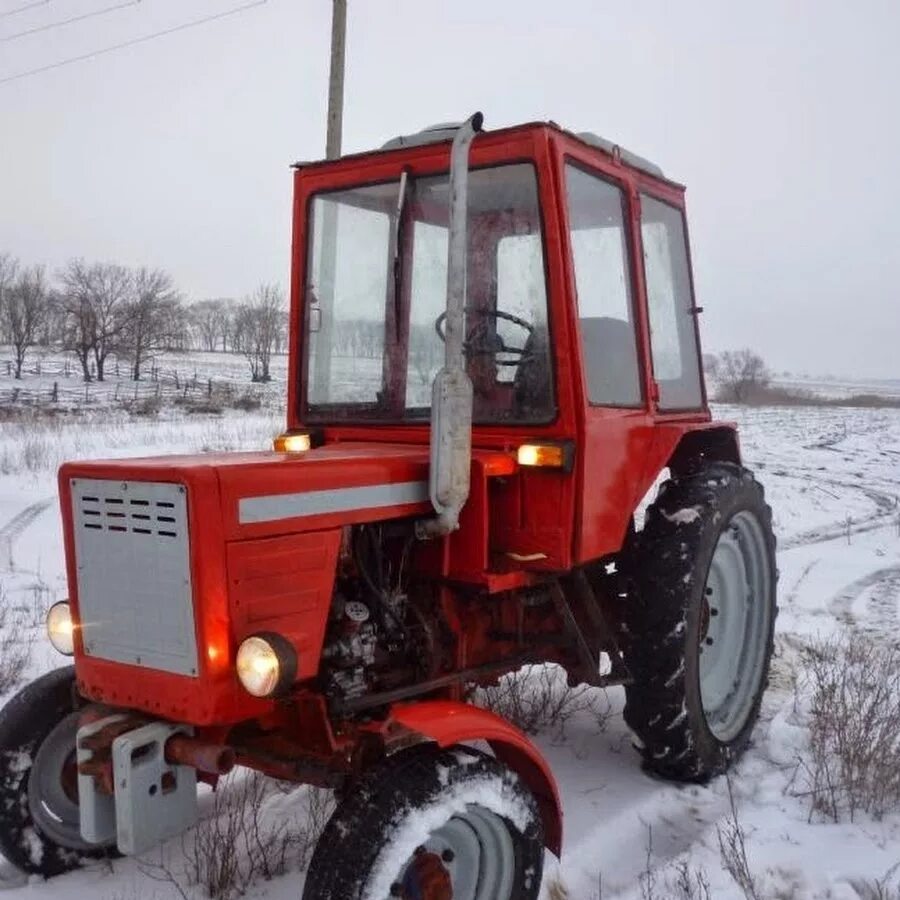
column 40, row 830
column 430, row 824
column 699, row 630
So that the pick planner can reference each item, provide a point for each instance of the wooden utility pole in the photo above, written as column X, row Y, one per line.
column 336, row 80
column 321, row 387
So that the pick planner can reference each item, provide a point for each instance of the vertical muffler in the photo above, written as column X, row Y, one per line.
column 451, row 394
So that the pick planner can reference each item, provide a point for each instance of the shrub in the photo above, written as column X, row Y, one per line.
column 247, row 402
column 538, row 698
column 146, row 408
column 243, row 842
column 852, row 762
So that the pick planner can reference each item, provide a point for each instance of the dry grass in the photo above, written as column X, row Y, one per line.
column 733, row 849
column 39, row 445
column 679, row 881
column 246, row 839
column 689, row 883
column 852, row 763
column 557, row 890
column 538, row 699
column 16, row 646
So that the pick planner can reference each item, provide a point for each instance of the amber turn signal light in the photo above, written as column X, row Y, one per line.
column 292, row 443
column 550, row 456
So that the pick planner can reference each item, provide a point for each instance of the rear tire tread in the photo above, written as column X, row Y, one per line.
column 672, row 733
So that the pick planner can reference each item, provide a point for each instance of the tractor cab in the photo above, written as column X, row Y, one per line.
column 578, row 320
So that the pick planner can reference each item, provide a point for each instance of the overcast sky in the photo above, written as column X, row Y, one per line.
column 781, row 118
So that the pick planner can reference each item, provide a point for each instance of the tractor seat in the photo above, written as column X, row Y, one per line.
column 532, row 385
column 610, row 362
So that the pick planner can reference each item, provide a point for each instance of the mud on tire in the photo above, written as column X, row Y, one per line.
column 42, row 709
column 405, row 801
column 668, row 621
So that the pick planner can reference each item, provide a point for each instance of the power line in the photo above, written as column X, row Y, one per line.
column 60, row 22
column 18, row 9
column 140, row 40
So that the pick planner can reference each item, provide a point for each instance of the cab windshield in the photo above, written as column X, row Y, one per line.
column 376, row 294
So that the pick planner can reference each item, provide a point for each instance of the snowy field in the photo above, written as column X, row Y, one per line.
column 833, row 479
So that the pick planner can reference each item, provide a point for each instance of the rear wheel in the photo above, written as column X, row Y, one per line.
column 432, row 824
column 699, row 629
column 40, row 829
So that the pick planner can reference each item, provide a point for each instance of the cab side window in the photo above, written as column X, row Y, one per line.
column 603, row 287
column 673, row 333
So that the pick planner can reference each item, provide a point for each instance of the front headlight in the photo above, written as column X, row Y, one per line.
column 266, row 664
column 60, row 628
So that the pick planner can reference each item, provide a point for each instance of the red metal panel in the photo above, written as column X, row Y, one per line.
column 328, row 468
column 284, row 584
column 447, row 722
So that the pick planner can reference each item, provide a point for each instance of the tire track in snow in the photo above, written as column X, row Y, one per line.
column 18, row 523
column 795, row 590
column 885, row 497
column 886, row 505
column 883, row 618
column 14, row 528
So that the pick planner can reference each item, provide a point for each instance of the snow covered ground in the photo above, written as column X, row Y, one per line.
column 833, row 479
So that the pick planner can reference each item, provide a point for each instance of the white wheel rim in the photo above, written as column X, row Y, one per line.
column 53, row 808
column 735, row 625
column 475, row 850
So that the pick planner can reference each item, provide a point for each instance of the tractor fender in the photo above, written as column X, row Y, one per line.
column 448, row 722
column 716, row 441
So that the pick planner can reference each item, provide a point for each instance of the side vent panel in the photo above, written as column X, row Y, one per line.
column 132, row 551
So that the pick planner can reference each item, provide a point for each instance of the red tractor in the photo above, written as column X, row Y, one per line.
column 494, row 356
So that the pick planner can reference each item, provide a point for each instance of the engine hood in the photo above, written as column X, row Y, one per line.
column 267, row 493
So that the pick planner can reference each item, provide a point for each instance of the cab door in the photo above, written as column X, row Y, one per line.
column 617, row 424
column 671, row 311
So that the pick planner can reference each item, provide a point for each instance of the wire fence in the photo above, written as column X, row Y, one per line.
column 59, row 384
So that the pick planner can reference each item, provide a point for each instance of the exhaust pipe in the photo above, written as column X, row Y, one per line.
column 451, row 394
column 213, row 759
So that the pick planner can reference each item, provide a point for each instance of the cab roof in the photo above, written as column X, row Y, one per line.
column 444, row 132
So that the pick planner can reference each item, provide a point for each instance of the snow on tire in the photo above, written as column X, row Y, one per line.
column 426, row 822
column 699, row 628
column 39, row 820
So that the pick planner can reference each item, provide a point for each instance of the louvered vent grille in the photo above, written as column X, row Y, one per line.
column 132, row 552
column 139, row 515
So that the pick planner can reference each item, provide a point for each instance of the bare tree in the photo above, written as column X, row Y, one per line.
column 111, row 291
column 78, row 313
column 53, row 327
column 96, row 302
column 212, row 323
column 9, row 267
column 258, row 323
column 150, row 318
column 179, row 338
column 741, row 374
column 23, row 306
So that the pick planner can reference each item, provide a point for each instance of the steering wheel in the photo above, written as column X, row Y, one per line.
column 479, row 342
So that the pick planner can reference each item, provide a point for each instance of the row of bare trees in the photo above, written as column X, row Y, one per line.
column 98, row 311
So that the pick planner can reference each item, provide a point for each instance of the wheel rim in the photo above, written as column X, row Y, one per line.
column 470, row 857
column 735, row 624
column 53, row 789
